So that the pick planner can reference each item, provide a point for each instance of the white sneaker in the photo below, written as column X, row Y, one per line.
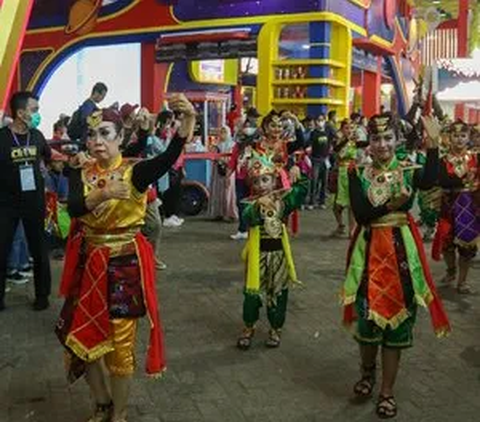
column 171, row 222
column 178, row 219
column 239, row 236
column 310, row 208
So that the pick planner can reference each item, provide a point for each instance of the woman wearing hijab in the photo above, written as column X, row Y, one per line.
column 222, row 193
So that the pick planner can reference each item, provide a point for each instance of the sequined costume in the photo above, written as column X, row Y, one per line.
column 459, row 224
column 387, row 271
column 109, row 275
column 269, row 263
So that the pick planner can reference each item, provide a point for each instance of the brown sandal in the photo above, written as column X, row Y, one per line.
column 274, row 339
column 364, row 387
column 386, row 407
column 245, row 340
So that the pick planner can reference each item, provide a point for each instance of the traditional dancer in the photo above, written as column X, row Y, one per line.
column 109, row 274
column 345, row 149
column 459, row 225
column 269, row 262
column 388, row 274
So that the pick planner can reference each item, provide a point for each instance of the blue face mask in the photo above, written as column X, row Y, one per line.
column 35, row 120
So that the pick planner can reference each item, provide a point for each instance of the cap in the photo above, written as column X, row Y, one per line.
column 127, row 109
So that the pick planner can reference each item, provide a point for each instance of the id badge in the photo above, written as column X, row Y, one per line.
column 27, row 179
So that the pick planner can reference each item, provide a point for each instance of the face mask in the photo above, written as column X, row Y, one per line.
column 249, row 131
column 35, row 120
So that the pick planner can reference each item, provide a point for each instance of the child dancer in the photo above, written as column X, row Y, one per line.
column 269, row 262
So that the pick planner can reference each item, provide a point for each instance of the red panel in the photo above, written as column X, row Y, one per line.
column 153, row 79
column 371, row 92
column 390, row 12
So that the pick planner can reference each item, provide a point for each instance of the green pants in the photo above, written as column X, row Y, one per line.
column 367, row 333
column 276, row 310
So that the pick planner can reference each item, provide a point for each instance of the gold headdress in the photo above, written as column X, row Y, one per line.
column 380, row 124
column 459, row 126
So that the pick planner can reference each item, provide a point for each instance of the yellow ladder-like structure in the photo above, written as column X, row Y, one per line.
column 14, row 17
column 339, row 62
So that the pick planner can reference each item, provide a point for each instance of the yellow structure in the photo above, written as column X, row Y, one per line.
column 14, row 16
column 271, row 65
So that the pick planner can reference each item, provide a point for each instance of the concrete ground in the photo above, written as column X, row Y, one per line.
column 309, row 379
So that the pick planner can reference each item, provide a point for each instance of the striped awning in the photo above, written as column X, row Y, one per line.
column 440, row 44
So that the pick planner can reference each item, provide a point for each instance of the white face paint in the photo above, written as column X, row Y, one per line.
column 382, row 146
column 263, row 185
column 104, row 142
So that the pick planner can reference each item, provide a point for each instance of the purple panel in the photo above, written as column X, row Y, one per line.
column 29, row 63
column 187, row 10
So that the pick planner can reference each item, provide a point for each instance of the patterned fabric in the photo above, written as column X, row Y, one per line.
column 125, row 298
column 274, row 275
column 466, row 221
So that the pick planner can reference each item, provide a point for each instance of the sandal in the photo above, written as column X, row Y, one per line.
column 450, row 276
column 245, row 340
column 386, row 407
column 364, row 387
column 465, row 289
column 274, row 339
column 103, row 413
column 339, row 231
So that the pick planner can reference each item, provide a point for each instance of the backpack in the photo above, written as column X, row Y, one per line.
column 75, row 129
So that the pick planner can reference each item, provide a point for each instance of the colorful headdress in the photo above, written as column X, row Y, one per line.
column 261, row 164
column 104, row 115
column 381, row 123
column 459, row 126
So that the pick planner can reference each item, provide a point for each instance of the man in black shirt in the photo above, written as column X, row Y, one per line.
column 320, row 150
column 22, row 192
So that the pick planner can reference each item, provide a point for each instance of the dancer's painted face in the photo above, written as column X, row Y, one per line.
column 459, row 140
column 104, row 141
column 275, row 128
column 264, row 184
column 382, row 145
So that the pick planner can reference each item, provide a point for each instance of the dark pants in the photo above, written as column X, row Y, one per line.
column 33, row 219
column 318, row 184
column 241, row 190
column 171, row 197
column 276, row 313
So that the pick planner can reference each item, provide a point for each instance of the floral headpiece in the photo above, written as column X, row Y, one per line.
column 261, row 164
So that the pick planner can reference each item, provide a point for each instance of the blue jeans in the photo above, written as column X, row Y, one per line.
column 241, row 190
column 19, row 255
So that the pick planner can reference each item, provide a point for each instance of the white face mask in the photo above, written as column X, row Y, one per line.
column 249, row 131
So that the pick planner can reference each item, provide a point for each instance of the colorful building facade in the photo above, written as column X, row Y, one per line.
column 311, row 53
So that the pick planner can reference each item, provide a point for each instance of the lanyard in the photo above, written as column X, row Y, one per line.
column 18, row 142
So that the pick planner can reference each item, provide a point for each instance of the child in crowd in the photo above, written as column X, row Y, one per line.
column 57, row 221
